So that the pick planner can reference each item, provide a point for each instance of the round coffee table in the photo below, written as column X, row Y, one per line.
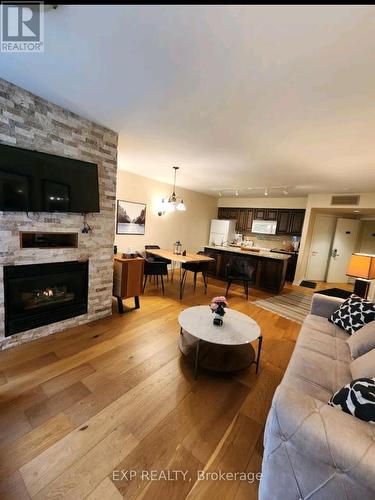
column 219, row 348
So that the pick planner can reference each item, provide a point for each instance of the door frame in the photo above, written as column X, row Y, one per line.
column 320, row 215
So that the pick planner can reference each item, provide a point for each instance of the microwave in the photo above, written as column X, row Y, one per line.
column 264, row 226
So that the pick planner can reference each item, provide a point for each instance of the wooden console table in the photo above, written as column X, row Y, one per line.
column 127, row 280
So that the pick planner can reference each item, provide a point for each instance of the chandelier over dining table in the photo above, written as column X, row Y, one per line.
column 174, row 202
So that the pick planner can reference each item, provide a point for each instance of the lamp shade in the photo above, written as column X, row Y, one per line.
column 362, row 266
column 181, row 206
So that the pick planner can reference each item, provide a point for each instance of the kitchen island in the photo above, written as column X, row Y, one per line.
column 270, row 267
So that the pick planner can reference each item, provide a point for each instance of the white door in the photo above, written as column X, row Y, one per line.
column 320, row 248
column 343, row 246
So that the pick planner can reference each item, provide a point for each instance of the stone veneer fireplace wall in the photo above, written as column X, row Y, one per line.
column 27, row 121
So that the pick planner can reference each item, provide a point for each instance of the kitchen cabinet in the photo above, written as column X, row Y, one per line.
column 269, row 273
column 271, row 214
column 249, row 220
column 259, row 213
column 291, row 267
column 241, row 221
column 245, row 219
column 222, row 213
column 233, row 214
column 289, row 221
column 292, row 264
column 296, row 222
column 229, row 214
column 283, row 221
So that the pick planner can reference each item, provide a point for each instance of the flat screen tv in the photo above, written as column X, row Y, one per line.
column 38, row 182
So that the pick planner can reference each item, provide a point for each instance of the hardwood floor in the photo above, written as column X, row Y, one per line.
column 117, row 395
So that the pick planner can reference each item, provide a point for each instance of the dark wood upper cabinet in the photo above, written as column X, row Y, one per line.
column 249, row 219
column 289, row 221
column 245, row 219
column 241, row 221
column 234, row 214
column 283, row 221
column 223, row 213
column 229, row 214
column 271, row 214
column 259, row 213
column 296, row 222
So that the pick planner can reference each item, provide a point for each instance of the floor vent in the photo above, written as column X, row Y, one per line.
column 345, row 199
column 308, row 284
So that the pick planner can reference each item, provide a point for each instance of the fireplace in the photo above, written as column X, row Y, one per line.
column 40, row 294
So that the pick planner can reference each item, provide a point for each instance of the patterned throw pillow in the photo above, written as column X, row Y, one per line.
column 354, row 313
column 357, row 399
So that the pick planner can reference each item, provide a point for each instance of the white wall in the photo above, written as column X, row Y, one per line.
column 263, row 202
column 190, row 227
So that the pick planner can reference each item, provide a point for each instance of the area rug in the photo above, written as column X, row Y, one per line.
column 292, row 305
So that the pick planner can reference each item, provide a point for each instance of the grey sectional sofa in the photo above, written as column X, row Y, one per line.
column 312, row 450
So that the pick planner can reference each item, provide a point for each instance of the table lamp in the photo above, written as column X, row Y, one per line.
column 362, row 267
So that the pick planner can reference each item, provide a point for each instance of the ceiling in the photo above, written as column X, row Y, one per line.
column 238, row 96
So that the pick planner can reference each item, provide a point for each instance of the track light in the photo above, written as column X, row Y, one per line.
column 285, row 192
column 265, row 191
column 236, row 192
column 220, row 194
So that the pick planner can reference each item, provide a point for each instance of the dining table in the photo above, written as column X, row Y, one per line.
column 182, row 258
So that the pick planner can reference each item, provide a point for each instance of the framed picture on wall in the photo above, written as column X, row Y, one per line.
column 131, row 217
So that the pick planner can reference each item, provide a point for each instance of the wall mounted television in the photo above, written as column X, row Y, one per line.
column 31, row 181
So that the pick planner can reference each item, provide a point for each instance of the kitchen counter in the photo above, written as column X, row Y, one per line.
column 261, row 253
column 289, row 252
column 270, row 267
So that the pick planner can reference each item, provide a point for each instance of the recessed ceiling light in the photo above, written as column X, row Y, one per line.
column 356, row 211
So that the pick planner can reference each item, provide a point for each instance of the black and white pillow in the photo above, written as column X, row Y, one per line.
column 354, row 313
column 357, row 399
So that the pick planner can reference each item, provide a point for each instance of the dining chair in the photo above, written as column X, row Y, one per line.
column 155, row 268
column 196, row 268
column 239, row 270
column 154, row 257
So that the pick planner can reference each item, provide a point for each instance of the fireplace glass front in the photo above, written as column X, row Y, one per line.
column 39, row 294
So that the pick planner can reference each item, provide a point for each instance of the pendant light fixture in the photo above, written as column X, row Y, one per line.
column 175, row 202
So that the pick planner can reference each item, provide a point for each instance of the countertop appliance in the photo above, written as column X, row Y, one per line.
column 238, row 239
column 222, row 232
column 264, row 226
